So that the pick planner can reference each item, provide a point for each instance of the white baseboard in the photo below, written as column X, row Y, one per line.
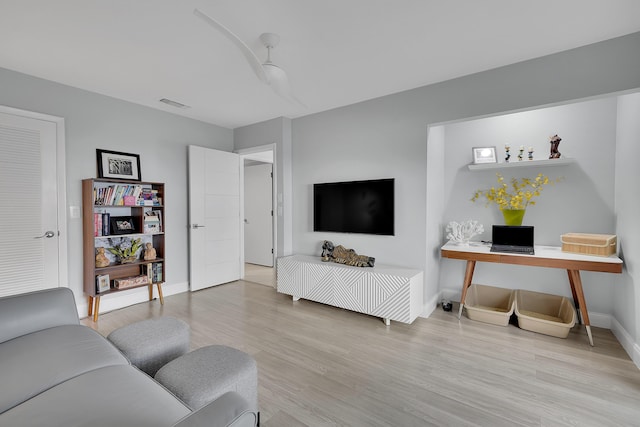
column 600, row 320
column 430, row 306
column 626, row 340
column 134, row 296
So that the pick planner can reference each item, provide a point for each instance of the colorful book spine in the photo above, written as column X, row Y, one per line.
column 106, row 224
column 97, row 224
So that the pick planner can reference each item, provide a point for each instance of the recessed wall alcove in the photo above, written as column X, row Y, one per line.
column 584, row 200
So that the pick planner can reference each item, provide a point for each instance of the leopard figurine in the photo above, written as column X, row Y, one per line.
column 341, row 255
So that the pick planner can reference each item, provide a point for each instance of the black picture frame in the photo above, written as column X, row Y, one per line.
column 122, row 225
column 118, row 165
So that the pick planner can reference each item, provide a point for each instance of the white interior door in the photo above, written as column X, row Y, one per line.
column 29, row 252
column 214, row 217
column 258, row 214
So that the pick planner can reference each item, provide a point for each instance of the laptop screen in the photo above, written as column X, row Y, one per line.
column 512, row 235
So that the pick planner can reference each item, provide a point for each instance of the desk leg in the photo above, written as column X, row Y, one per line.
column 468, row 275
column 575, row 296
column 576, row 289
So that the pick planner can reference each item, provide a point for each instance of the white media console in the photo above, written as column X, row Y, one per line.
column 392, row 293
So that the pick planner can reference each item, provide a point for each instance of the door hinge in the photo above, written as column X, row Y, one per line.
column 271, row 250
column 271, row 212
column 271, row 174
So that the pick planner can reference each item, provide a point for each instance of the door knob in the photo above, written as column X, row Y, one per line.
column 48, row 235
column 197, row 226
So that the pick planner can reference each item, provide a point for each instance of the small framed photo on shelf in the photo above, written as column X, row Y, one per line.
column 122, row 225
column 117, row 165
column 484, row 155
column 102, row 283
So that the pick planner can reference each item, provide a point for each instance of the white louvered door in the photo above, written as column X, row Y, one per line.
column 28, row 205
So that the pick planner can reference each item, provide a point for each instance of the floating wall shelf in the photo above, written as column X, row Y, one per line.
column 522, row 164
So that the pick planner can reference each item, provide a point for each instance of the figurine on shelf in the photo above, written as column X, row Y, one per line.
column 521, row 153
column 555, row 142
column 507, row 156
column 341, row 255
column 101, row 259
column 530, row 151
column 149, row 252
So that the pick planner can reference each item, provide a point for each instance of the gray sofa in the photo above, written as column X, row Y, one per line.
column 57, row 372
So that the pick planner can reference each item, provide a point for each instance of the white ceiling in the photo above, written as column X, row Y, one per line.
column 336, row 52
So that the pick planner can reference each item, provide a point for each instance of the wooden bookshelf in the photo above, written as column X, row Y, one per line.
column 93, row 203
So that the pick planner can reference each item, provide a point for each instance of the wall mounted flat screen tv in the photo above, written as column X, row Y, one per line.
column 354, row 207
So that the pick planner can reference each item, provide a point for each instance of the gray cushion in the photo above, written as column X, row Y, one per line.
column 110, row 396
column 152, row 343
column 33, row 363
column 207, row 373
column 34, row 311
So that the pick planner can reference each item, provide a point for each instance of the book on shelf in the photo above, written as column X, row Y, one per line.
column 101, row 226
column 151, row 223
column 114, row 195
column 106, row 226
column 102, row 283
column 129, row 282
column 157, row 272
column 159, row 215
column 154, row 272
column 97, row 224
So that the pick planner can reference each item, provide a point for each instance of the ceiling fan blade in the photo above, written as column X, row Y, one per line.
column 279, row 82
column 248, row 53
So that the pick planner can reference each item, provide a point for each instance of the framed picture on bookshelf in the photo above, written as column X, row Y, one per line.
column 102, row 283
column 122, row 225
column 117, row 165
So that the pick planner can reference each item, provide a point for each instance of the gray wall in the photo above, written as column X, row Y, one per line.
column 95, row 121
column 626, row 305
column 387, row 137
column 582, row 202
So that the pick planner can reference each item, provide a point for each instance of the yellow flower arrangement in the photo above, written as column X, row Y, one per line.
column 519, row 196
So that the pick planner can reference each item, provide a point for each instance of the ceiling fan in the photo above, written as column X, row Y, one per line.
column 268, row 72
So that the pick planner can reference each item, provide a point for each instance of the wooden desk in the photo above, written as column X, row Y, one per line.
column 546, row 256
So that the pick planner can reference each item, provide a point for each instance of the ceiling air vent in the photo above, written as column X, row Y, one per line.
column 174, row 103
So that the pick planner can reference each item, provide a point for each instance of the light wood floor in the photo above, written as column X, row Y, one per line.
column 260, row 274
column 323, row 366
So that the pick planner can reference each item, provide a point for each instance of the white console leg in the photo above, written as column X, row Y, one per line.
column 387, row 321
column 295, row 298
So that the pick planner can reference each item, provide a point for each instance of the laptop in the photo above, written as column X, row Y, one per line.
column 512, row 239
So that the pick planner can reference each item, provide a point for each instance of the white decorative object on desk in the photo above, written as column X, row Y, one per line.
column 463, row 232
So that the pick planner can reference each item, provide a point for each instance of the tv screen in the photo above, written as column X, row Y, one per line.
column 354, row 207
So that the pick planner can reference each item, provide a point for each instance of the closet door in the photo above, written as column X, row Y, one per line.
column 29, row 250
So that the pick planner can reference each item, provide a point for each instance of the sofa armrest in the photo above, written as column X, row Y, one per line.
column 229, row 410
column 34, row 311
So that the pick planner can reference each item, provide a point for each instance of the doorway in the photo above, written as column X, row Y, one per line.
column 259, row 221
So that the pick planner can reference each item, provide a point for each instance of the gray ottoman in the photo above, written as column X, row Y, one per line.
column 203, row 375
column 151, row 344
